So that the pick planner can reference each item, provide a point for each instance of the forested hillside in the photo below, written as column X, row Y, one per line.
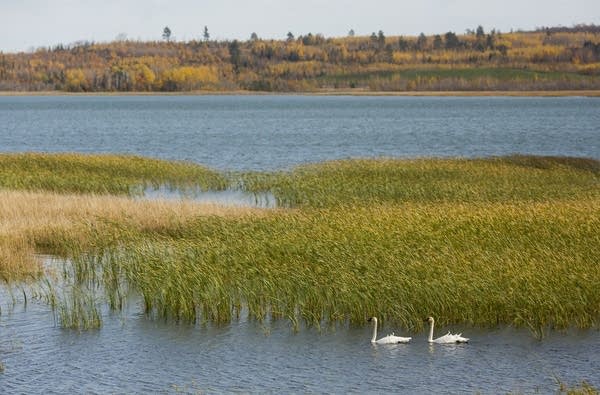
column 546, row 59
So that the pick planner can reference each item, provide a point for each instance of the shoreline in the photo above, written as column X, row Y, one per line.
column 324, row 92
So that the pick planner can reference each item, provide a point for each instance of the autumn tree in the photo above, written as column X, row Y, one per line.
column 188, row 78
column 310, row 62
column 76, row 80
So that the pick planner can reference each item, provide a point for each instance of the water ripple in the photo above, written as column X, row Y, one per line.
column 277, row 132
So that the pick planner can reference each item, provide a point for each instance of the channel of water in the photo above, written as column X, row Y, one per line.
column 132, row 353
column 227, row 197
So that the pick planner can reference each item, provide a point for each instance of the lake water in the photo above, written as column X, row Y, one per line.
column 227, row 197
column 274, row 132
column 133, row 354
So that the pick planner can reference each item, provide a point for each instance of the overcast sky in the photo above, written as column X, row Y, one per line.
column 27, row 24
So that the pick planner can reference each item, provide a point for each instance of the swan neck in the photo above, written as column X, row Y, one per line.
column 374, row 331
column 431, row 331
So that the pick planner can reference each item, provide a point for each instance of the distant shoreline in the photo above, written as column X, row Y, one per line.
column 332, row 92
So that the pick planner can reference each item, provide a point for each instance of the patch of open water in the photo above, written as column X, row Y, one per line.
column 277, row 132
column 227, row 197
column 132, row 353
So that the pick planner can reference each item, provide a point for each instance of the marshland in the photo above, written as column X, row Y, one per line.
column 502, row 247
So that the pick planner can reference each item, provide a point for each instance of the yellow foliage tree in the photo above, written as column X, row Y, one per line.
column 76, row 81
column 401, row 57
column 189, row 78
column 143, row 77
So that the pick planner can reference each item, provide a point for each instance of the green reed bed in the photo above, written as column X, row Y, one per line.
column 503, row 179
column 511, row 240
column 78, row 310
column 527, row 265
column 583, row 388
column 101, row 174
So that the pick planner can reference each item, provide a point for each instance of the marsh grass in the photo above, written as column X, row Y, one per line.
column 526, row 265
column 499, row 241
column 584, row 388
column 79, row 310
column 65, row 224
column 101, row 174
column 368, row 181
column 17, row 257
column 76, row 304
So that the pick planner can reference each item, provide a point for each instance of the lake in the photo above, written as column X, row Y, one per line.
column 134, row 354
column 276, row 132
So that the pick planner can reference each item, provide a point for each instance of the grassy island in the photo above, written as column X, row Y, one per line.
column 508, row 240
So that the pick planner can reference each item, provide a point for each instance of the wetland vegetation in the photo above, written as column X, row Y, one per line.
column 486, row 242
column 101, row 174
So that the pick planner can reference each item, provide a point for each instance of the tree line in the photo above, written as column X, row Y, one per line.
column 547, row 58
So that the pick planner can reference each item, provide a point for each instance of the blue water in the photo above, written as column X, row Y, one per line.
column 134, row 354
column 275, row 132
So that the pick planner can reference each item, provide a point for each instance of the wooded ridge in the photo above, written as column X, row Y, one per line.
column 546, row 59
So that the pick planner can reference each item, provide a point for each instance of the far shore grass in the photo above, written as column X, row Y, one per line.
column 485, row 242
column 326, row 92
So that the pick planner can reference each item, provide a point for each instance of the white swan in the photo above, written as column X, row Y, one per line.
column 447, row 338
column 389, row 339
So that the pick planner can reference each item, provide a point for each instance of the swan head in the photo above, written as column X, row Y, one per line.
column 374, row 319
column 429, row 319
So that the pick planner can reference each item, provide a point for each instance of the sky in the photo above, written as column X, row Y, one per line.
column 29, row 24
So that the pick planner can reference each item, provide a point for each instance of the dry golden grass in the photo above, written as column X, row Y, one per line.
column 29, row 221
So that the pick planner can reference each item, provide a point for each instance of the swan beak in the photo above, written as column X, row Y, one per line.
column 369, row 319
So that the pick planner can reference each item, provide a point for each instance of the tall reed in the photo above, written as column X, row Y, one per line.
column 367, row 181
column 62, row 224
column 527, row 265
column 508, row 240
column 101, row 174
